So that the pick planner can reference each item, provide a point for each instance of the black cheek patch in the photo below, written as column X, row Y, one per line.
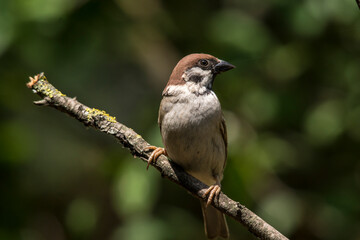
column 195, row 78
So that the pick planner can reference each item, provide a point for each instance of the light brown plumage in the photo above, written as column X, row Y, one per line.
column 193, row 129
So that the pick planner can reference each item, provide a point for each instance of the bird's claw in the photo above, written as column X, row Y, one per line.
column 157, row 151
column 212, row 191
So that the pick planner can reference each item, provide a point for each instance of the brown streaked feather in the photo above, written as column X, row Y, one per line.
column 164, row 109
column 161, row 115
column 224, row 136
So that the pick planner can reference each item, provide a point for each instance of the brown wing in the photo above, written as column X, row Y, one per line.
column 224, row 136
column 166, row 104
column 160, row 116
column 163, row 109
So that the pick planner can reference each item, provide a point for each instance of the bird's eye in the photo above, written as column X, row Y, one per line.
column 204, row 62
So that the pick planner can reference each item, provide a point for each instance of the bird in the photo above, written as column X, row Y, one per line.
column 193, row 130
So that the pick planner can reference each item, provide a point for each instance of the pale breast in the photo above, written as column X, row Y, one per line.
column 191, row 134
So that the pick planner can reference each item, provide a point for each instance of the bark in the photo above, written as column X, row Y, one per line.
column 129, row 139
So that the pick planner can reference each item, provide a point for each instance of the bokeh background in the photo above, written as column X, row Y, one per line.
column 292, row 108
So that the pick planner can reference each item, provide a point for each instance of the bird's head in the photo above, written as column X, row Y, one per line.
column 197, row 71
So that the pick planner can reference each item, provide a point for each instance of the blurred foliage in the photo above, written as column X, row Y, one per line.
column 292, row 107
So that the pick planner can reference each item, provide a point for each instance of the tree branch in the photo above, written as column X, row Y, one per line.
column 102, row 121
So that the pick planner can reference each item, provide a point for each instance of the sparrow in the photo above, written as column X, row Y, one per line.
column 193, row 130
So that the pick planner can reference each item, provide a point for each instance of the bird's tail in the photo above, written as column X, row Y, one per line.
column 214, row 222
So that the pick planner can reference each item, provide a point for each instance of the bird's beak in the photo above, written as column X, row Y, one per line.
column 223, row 66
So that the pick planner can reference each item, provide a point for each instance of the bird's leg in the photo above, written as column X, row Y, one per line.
column 157, row 151
column 212, row 191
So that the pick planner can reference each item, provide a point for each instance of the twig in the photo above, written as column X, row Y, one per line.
column 102, row 121
column 358, row 3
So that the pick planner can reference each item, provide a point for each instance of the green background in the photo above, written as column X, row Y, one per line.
column 292, row 107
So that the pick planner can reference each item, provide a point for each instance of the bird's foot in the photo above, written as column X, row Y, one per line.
column 212, row 191
column 157, row 151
